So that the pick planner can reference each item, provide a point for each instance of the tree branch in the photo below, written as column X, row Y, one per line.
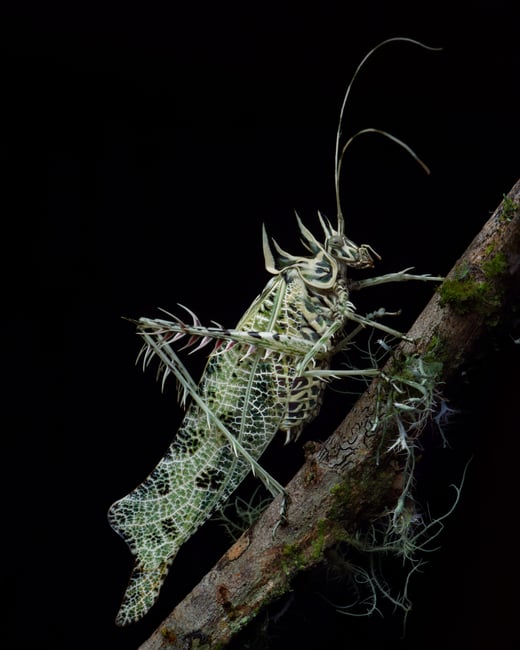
column 341, row 486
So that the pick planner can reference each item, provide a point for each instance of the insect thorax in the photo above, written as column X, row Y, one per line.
column 290, row 306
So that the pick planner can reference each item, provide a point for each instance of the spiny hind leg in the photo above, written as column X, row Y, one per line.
column 168, row 332
column 170, row 362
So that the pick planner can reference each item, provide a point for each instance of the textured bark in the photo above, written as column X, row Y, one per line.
column 476, row 296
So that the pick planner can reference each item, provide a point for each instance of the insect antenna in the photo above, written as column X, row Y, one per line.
column 338, row 155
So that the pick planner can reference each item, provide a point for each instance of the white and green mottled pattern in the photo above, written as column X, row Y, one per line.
column 265, row 375
column 253, row 392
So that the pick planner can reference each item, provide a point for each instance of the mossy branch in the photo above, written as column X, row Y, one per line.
column 341, row 487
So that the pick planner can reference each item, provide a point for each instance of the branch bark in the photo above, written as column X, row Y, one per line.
column 257, row 569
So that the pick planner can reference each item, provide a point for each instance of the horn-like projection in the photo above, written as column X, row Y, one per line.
column 327, row 226
column 309, row 240
column 284, row 259
column 268, row 253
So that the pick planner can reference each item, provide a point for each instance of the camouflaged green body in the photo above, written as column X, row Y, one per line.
column 254, row 394
column 257, row 383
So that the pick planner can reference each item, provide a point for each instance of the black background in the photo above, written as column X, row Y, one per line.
column 143, row 146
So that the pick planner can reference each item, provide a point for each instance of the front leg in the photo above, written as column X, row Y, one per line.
column 367, row 321
column 400, row 276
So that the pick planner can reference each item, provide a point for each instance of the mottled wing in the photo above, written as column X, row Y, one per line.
column 200, row 470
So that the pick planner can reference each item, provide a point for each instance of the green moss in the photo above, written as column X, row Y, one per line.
column 496, row 266
column 318, row 543
column 464, row 293
column 509, row 209
column 436, row 352
column 463, row 296
column 340, row 491
column 292, row 559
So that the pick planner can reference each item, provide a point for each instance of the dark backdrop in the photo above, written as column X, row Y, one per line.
column 143, row 148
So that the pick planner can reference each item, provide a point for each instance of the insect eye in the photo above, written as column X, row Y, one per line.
column 336, row 241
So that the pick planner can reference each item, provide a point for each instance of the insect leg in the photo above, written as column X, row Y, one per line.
column 172, row 363
column 336, row 374
column 400, row 276
column 365, row 321
column 168, row 332
column 352, row 334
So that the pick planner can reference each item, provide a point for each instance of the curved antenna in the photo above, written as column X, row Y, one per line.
column 337, row 156
column 390, row 137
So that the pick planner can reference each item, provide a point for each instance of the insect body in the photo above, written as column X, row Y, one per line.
column 252, row 389
column 263, row 376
